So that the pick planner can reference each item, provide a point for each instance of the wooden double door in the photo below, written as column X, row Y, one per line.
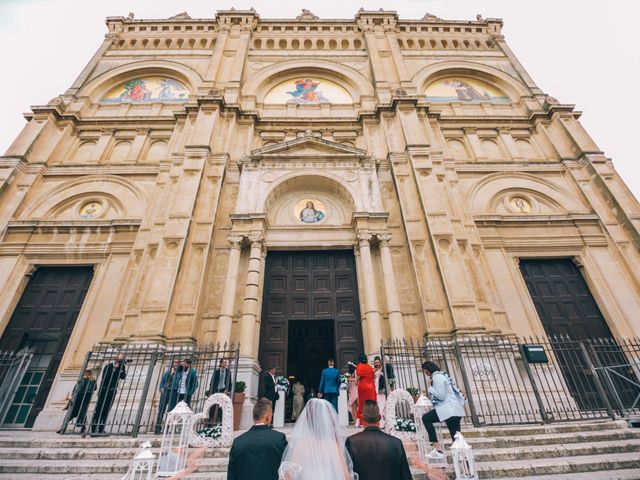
column 43, row 321
column 310, row 312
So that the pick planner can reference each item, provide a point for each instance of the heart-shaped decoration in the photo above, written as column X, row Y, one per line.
column 226, row 437
column 396, row 397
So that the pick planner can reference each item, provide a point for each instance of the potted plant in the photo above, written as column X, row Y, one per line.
column 238, row 401
column 414, row 392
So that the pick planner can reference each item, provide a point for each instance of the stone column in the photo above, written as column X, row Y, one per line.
column 390, row 290
column 225, row 320
column 370, row 294
column 250, row 303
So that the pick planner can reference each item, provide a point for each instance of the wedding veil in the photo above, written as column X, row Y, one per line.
column 316, row 448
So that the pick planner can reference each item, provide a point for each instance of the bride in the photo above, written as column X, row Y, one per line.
column 316, row 448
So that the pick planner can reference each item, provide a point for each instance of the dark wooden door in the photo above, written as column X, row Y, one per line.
column 563, row 300
column 43, row 320
column 570, row 315
column 310, row 285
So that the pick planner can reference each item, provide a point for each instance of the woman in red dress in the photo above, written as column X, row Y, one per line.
column 366, row 384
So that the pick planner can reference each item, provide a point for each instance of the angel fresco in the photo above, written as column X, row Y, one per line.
column 307, row 92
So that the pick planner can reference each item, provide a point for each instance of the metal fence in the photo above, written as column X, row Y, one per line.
column 128, row 389
column 13, row 366
column 505, row 385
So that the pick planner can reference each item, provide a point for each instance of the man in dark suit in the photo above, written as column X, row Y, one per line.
column 220, row 383
column 168, row 393
column 111, row 376
column 257, row 453
column 270, row 390
column 376, row 455
column 330, row 384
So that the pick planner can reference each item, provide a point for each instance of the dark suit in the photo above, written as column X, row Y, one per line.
column 378, row 456
column 215, row 381
column 191, row 384
column 256, row 454
column 111, row 375
column 270, row 390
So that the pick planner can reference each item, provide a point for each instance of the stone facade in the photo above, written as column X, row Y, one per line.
column 176, row 200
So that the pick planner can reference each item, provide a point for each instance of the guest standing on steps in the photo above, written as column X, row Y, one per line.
column 366, row 385
column 270, row 388
column 448, row 402
column 330, row 384
column 187, row 382
column 111, row 375
column 256, row 454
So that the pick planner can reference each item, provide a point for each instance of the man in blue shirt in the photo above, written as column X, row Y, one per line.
column 330, row 384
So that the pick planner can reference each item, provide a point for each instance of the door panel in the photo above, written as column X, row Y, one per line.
column 44, row 319
column 310, row 286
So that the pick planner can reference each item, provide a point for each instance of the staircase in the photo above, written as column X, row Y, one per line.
column 594, row 450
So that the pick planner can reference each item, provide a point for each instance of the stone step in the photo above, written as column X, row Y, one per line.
column 558, row 466
column 87, row 453
column 626, row 474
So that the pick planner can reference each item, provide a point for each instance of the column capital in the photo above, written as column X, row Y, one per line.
column 364, row 238
column 256, row 238
column 384, row 238
column 235, row 240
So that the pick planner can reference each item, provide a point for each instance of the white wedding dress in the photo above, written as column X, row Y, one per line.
column 316, row 448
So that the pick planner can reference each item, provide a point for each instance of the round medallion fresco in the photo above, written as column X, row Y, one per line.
column 463, row 89
column 310, row 210
column 520, row 205
column 91, row 209
column 148, row 89
column 309, row 91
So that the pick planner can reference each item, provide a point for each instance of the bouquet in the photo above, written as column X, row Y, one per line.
column 282, row 383
column 405, row 425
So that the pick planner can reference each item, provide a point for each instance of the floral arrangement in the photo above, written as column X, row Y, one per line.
column 413, row 391
column 405, row 425
column 282, row 382
column 211, row 432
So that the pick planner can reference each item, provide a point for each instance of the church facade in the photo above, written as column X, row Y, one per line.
column 306, row 187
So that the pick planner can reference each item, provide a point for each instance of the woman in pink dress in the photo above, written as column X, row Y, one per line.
column 366, row 384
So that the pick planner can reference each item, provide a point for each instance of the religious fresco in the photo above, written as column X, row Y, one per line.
column 463, row 89
column 308, row 91
column 310, row 210
column 148, row 89
column 90, row 210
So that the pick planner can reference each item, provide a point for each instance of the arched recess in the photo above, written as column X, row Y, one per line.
column 117, row 195
column 505, row 82
column 349, row 78
column 98, row 87
column 282, row 203
column 492, row 194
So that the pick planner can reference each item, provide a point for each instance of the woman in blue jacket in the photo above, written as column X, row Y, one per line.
column 448, row 402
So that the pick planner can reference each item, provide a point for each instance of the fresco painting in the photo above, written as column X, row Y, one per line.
column 148, row 89
column 462, row 89
column 310, row 210
column 308, row 91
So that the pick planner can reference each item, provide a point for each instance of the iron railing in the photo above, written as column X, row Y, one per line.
column 134, row 396
column 13, row 366
column 581, row 379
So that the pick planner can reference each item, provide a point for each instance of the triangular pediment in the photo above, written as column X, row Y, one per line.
column 307, row 147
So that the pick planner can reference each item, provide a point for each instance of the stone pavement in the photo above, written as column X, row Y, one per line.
column 594, row 451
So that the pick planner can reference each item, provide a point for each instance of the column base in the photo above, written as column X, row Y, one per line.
column 248, row 372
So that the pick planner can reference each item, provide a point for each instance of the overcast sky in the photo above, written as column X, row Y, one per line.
column 582, row 52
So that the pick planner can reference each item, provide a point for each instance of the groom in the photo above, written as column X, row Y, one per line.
column 330, row 384
column 256, row 454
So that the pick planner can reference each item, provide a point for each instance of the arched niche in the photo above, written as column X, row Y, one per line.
column 309, row 201
column 104, row 84
column 500, row 82
column 521, row 193
column 459, row 88
column 148, row 89
column 308, row 90
column 116, row 196
column 260, row 84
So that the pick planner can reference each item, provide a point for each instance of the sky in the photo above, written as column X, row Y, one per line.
column 582, row 52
